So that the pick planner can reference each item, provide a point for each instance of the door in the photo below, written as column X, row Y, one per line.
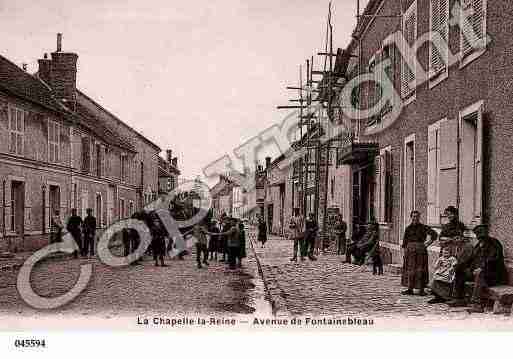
column 110, row 205
column 409, row 180
column 55, row 200
column 270, row 218
column 18, row 207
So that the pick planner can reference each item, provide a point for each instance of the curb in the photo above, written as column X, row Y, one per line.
column 271, row 286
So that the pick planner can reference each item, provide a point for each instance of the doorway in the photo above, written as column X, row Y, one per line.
column 18, row 207
column 409, row 179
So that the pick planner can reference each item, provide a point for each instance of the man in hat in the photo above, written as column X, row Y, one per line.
column 89, row 227
column 297, row 228
column 485, row 267
column 74, row 227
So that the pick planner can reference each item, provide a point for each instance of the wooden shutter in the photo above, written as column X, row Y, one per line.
column 473, row 26
column 389, row 188
column 478, row 205
column 377, row 185
column 448, row 162
column 410, row 34
column 382, row 185
column 432, row 175
column 440, row 24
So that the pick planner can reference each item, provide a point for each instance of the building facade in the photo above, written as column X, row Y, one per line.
column 450, row 144
column 59, row 150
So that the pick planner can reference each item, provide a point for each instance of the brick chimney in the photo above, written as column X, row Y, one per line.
column 60, row 73
column 45, row 69
column 169, row 156
column 175, row 162
column 267, row 162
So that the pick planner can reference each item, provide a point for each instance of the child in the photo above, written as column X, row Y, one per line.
column 445, row 267
column 377, row 261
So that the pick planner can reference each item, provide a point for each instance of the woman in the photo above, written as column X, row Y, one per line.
column 453, row 244
column 415, row 269
column 262, row 231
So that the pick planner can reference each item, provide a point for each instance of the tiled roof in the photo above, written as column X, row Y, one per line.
column 22, row 84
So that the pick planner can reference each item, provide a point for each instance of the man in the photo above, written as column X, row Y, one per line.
column 213, row 243
column 262, row 230
column 56, row 227
column 297, row 227
column 311, row 229
column 415, row 268
column 158, row 242
column 340, row 232
column 233, row 244
column 226, row 226
column 74, row 227
column 199, row 233
column 89, row 227
column 485, row 267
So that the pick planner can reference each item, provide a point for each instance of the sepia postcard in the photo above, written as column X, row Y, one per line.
column 255, row 165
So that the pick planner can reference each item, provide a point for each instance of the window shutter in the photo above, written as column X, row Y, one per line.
column 409, row 32
column 377, row 185
column 432, row 175
column 389, row 195
column 382, row 185
column 478, row 205
column 439, row 23
column 473, row 26
column 448, row 161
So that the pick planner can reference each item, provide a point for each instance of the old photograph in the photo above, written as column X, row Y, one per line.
column 251, row 165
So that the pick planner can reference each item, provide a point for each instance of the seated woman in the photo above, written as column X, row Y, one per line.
column 443, row 277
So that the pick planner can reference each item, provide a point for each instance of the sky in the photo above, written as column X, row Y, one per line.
column 198, row 77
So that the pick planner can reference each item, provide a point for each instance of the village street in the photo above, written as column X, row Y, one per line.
column 329, row 288
column 138, row 291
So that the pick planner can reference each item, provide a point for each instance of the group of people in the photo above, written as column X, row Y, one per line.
column 228, row 238
column 82, row 231
column 459, row 261
column 304, row 233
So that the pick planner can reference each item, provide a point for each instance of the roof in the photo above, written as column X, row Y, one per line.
column 116, row 119
column 100, row 129
column 26, row 86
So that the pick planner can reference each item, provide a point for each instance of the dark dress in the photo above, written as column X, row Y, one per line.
column 262, row 232
column 415, row 267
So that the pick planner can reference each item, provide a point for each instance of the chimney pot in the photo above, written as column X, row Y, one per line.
column 59, row 42
column 267, row 162
column 169, row 156
column 24, row 66
column 45, row 56
column 175, row 162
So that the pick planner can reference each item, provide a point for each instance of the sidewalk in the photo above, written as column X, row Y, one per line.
column 329, row 287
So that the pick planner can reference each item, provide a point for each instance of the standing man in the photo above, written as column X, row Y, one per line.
column 74, row 227
column 297, row 227
column 340, row 233
column 226, row 226
column 415, row 268
column 311, row 229
column 158, row 241
column 89, row 226
column 199, row 233
column 56, row 227
column 233, row 244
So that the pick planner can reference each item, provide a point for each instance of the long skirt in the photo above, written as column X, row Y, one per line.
column 415, row 268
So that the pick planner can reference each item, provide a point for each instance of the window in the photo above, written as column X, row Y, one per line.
column 121, row 208
column 332, row 187
column 86, row 154
column 99, row 210
column 16, row 130
column 53, row 141
column 472, row 27
column 131, row 208
column 433, row 193
column 471, row 176
column 124, row 167
column 439, row 23
column 383, row 186
column 99, row 160
column 408, row 80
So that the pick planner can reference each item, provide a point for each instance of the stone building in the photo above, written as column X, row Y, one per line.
column 59, row 149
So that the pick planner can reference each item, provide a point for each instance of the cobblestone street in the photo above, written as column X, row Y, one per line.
column 141, row 290
column 328, row 287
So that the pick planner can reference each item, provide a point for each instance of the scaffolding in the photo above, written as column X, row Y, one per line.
column 313, row 166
